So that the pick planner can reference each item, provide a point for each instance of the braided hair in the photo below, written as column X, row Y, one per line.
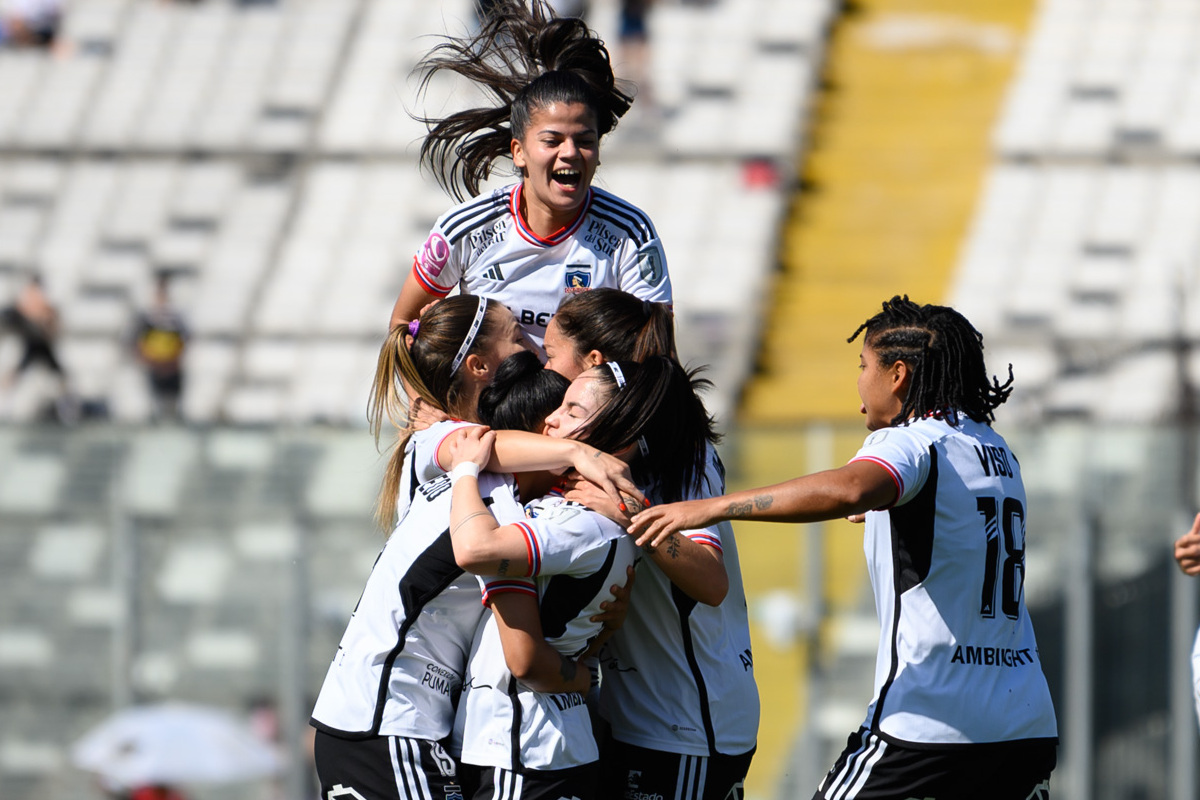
column 525, row 59
column 945, row 354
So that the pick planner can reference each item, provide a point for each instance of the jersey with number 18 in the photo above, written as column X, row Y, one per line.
column 957, row 661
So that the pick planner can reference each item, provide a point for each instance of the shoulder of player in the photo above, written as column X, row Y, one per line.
column 631, row 220
column 567, row 516
column 474, row 213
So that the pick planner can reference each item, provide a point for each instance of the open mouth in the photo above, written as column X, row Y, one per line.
column 568, row 178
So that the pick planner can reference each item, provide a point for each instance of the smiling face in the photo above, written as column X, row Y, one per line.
column 585, row 396
column 557, row 156
column 881, row 388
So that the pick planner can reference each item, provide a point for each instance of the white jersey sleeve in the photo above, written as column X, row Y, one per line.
column 441, row 262
column 1196, row 672
column 906, row 461
column 561, row 535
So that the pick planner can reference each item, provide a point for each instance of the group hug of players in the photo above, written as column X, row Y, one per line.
column 558, row 611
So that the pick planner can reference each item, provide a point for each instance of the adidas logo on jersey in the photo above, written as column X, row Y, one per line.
column 493, row 273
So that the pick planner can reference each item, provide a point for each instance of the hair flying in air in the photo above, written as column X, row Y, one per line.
column 525, row 59
column 945, row 354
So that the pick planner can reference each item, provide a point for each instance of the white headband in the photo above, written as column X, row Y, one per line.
column 619, row 377
column 472, row 332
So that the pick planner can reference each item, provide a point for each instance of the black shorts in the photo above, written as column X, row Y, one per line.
column 871, row 768
column 629, row 772
column 577, row 783
column 385, row 768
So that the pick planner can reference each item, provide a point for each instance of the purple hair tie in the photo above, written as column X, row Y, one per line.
column 413, row 327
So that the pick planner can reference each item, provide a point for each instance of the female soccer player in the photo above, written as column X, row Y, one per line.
column 535, row 744
column 678, row 687
column 552, row 234
column 961, row 706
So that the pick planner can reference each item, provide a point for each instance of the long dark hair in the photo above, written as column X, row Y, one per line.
column 525, row 59
column 945, row 354
column 617, row 324
column 421, row 356
column 521, row 395
column 655, row 407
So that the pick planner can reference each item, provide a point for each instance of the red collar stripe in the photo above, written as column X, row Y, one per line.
column 559, row 236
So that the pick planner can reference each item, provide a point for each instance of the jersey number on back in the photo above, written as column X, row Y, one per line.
column 1003, row 520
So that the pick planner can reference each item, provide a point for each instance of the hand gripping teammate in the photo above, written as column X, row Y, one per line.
column 552, row 234
column 533, row 744
column 1187, row 554
column 961, row 706
column 677, row 689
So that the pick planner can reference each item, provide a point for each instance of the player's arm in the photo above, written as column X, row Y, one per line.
column 858, row 487
column 696, row 568
column 413, row 297
column 1187, row 549
column 519, row 451
column 529, row 657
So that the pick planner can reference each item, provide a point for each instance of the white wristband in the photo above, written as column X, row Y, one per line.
column 466, row 468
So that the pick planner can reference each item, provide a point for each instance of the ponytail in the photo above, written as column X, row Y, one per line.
column 423, row 361
column 619, row 325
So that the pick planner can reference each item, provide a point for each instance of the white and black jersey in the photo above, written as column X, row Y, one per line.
column 957, row 661
column 485, row 248
column 420, row 460
column 678, row 676
column 399, row 668
column 574, row 556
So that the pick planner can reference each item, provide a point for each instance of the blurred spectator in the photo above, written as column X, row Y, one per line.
column 568, row 8
column 558, row 8
column 156, row 793
column 35, row 319
column 160, row 337
column 634, row 40
column 29, row 23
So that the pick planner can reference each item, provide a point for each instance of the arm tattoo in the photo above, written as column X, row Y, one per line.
column 567, row 668
column 739, row 509
column 763, row 501
column 673, row 546
column 503, row 568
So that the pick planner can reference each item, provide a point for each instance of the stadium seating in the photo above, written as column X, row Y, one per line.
column 264, row 156
column 1083, row 249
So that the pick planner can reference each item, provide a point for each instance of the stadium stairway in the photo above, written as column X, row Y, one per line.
column 897, row 152
column 894, row 158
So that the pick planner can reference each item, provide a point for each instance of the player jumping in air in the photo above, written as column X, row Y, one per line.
column 552, row 234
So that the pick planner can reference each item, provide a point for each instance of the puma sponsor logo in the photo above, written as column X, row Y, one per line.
column 440, row 680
